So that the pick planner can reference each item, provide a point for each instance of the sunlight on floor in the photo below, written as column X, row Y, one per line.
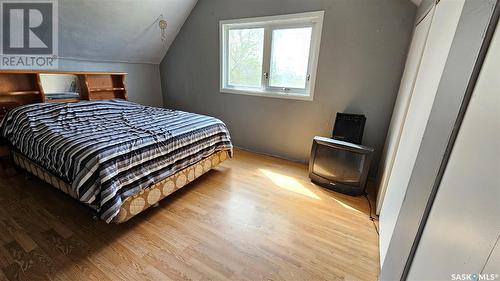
column 289, row 184
column 346, row 206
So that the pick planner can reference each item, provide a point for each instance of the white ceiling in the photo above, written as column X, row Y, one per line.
column 119, row 30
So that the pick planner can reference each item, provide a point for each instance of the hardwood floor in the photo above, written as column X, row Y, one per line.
column 252, row 218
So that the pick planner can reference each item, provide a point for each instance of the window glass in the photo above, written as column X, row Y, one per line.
column 245, row 54
column 290, row 57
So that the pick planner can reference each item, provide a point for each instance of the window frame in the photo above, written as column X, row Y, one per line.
column 301, row 20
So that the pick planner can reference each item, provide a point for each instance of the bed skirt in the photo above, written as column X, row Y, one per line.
column 138, row 202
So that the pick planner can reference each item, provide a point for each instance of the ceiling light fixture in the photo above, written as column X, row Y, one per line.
column 163, row 27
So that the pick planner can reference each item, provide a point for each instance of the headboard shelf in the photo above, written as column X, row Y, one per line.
column 7, row 71
column 19, row 87
column 104, row 86
column 64, row 100
column 106, row 89
column 17, row 93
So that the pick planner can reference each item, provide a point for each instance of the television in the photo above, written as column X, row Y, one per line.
column 339, row 165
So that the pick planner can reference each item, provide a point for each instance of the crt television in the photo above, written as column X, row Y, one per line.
column 339, row 165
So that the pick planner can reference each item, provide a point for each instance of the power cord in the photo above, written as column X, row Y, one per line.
column 371, row 217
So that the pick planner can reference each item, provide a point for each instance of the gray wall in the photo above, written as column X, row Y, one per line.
column 143, row 80
column 362, row 55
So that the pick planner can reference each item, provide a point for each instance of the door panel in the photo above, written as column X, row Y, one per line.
column 402, row 102
column 464, row 222
column 441, row 34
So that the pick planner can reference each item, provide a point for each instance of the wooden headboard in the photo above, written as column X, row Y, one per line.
column 19, row 87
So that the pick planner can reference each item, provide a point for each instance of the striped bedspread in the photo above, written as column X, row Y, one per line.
column 110, row 150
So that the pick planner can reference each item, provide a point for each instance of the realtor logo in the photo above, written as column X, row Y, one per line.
column 29, row 34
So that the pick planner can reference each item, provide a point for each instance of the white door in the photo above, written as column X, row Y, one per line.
column 439, row 40
column 464, row 223
column 402, row 102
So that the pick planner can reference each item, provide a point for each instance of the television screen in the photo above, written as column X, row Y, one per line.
column 341, row 166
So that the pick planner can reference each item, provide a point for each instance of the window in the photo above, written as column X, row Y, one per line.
column 271, row 56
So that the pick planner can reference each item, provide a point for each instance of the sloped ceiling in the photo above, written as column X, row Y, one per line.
column 119, row 30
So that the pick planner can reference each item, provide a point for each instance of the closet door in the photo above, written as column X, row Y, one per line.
column 440, row 37
column 402, row 102
column 463, row 226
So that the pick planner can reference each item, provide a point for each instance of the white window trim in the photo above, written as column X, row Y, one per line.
column 316, row 20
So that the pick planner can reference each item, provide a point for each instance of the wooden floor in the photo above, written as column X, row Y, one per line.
column 252, row 218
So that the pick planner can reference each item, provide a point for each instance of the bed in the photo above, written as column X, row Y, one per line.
column 117, row 157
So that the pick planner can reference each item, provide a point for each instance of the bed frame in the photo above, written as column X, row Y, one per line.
column 141, row 201
column 24, row 87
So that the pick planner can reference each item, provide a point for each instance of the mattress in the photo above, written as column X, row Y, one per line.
column 108, row 151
